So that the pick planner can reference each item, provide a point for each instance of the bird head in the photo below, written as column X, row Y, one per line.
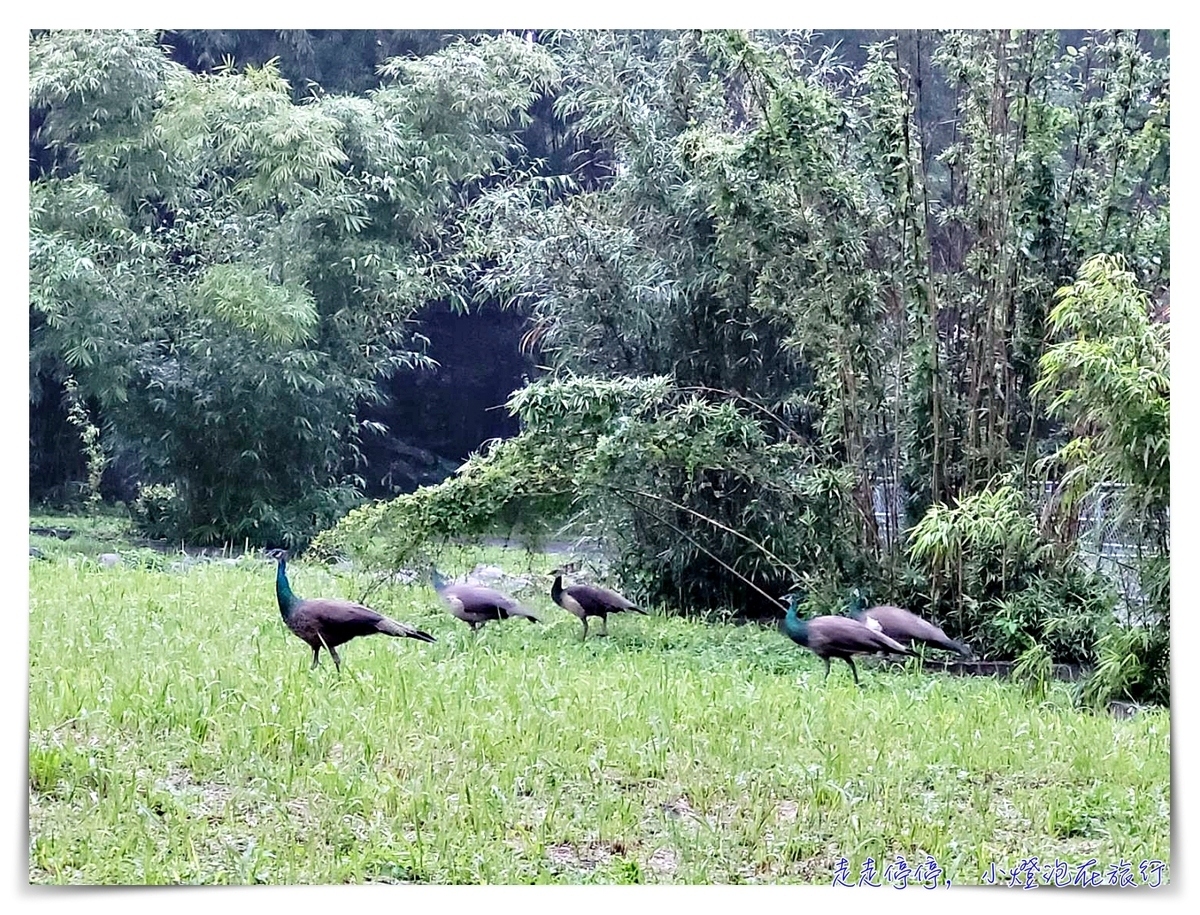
column 277, row 555
column 792, row 625
column 858, row 601
column 436, row 579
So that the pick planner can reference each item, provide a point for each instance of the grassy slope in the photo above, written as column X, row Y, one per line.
column 176, row 735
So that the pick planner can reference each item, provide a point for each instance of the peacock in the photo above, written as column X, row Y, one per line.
column 836, row 637
column 477, row 604
column 590, row 600
column 904, row 626
column 326, row 622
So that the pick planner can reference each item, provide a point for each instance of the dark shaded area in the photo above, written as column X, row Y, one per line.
column 42, row 159
column 436, row 419
column 342, row 61
column 55, row 448
column 56, row 458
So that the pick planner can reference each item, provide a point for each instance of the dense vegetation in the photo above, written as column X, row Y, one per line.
column 806, row 318
column 226, row 273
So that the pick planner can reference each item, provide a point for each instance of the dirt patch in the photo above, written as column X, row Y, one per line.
column 664, row 861
column 584, row 857
column 209, row 800
column 680, row 808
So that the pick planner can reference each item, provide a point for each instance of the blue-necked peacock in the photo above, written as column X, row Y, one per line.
column 836, row 637
column 325, row 622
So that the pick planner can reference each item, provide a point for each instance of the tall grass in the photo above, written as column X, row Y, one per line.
column 177, row 735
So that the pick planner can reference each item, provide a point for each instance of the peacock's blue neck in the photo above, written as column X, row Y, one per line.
column 283, row 590
column 796, row 628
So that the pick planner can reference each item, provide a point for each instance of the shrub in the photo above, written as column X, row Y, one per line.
column 1066, row 615
column 1134, row 664
column 158, row 512
column 985, row 569
column 701, row 508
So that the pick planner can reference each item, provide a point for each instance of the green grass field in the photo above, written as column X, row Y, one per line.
column 177, row 736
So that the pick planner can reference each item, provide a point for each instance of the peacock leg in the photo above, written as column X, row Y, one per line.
column 336, row 660
column 826, row 660
column 850, row 661
column 604, row 623
column 583, row 638
column 316, row 660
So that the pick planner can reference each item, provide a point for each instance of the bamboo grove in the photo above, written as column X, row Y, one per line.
column 806, row 314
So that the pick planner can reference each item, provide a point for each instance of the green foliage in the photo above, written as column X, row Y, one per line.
column 1064, row 614
column 786, row 268
column 229, row 272
column 733, row 261
column 492, row 493
column 242, row 129
column 1111, row 382
column 980, row 548
column 999, row 585
column 1004, row 162
column 100, row 90
column 704, row 250
column 696, row 506
column 252, row 304
column 1134, row 663
column 86, row 264
column 158, row 512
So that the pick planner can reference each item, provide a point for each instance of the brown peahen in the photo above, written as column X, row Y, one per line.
column 590, row 600
column 905, row 626
column 477, row 604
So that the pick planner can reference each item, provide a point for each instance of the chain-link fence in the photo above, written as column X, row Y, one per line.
column 1108, row 541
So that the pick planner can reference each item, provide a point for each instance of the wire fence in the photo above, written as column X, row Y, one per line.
column 1107, row 540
